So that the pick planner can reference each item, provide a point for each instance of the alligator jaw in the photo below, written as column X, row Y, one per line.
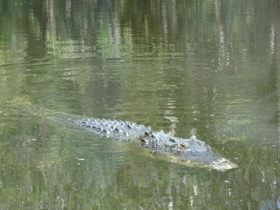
column 222, row 164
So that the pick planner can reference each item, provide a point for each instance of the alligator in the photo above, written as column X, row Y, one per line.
column 191, row 151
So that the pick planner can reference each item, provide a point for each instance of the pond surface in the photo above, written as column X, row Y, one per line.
column 204, row 67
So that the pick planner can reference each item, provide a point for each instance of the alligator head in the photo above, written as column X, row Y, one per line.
column 186, row 151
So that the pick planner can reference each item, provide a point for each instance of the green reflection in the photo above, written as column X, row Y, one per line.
column 209, row 67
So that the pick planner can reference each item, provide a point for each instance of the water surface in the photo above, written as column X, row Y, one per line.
column 209, row 67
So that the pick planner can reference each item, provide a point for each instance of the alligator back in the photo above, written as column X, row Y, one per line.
column 114, row 129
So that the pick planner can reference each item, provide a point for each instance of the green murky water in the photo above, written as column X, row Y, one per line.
column 177, row 66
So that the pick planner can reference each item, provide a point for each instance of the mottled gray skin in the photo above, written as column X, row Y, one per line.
column 193, row 149
column 114, row 129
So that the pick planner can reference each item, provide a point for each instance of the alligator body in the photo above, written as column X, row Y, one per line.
column 192, row 151
column 114, row 129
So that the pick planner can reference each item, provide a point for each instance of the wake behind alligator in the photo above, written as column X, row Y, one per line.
column 191, row 151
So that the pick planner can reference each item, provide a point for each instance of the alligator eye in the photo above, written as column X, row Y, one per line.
column 182, row 146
